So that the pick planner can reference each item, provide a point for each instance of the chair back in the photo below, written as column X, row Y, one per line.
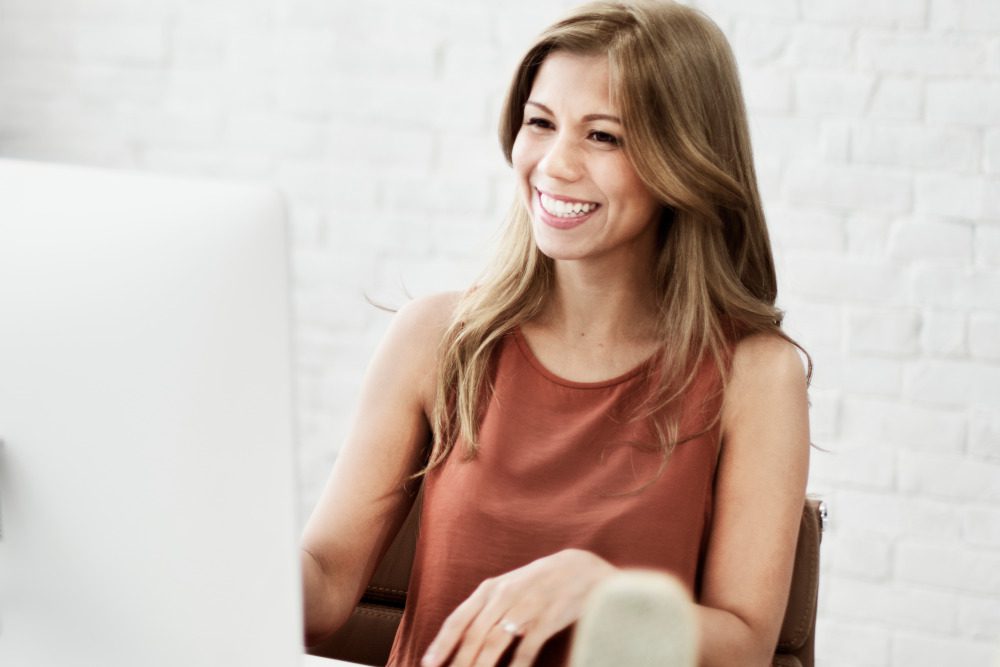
column 368, row 635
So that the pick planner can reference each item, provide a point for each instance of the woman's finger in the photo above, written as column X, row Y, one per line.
column 529, row 647
column 493, row 645
column 546, row 625
column 493, row 629
column 456, row 625
column 532, row 633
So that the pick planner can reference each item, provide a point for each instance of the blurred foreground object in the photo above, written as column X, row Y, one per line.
column 637, row 618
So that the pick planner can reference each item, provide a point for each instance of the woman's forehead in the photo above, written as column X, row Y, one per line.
column 574, row 83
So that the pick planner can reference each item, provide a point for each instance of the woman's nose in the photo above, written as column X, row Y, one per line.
column 561, row 160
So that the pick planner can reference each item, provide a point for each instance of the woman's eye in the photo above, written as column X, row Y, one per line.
column 539, row 122
column 605, row 138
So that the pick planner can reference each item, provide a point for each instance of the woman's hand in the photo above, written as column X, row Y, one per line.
column 533, row 602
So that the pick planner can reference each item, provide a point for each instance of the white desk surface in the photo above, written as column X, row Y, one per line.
column 313, row 661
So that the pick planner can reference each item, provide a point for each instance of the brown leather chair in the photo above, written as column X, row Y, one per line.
column 367, row 636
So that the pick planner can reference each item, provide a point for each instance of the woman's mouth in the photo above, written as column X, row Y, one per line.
column 563, row 212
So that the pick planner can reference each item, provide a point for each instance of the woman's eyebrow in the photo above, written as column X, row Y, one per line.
column 588, row 117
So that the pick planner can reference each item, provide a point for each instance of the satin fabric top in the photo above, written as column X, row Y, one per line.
column 556, row 464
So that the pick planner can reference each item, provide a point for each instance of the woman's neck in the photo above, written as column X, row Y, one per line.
column 589, row 305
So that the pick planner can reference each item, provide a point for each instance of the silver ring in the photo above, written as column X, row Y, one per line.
column 510, row 627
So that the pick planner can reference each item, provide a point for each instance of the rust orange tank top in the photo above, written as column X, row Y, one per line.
column 556, row 463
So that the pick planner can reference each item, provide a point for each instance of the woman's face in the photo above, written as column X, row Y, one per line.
column 585, row 199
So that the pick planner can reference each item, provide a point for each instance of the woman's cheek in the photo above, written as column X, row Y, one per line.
column 521, row 162
column 517, row 152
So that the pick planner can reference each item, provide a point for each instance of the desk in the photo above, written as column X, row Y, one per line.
column 315, row 661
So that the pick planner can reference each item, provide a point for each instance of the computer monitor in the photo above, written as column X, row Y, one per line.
column 147, row 496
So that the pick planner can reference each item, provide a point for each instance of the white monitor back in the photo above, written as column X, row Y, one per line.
column 146, row 476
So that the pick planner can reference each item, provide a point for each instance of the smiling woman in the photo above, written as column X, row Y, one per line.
column 615, row 393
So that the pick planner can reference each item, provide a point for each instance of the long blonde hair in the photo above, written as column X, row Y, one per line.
column 675, row 84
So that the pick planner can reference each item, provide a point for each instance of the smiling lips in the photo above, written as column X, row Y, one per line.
column 563, row 212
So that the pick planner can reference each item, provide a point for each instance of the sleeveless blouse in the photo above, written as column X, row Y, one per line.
column 560, row 465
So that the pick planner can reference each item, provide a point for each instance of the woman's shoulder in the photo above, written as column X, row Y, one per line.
column 419, row 327
column 426, row 318
column 767, row 373
column 769, row 355
column 409, row 352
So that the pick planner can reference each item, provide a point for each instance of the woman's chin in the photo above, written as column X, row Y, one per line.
column 559, row 249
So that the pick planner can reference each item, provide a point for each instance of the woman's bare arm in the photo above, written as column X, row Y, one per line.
column 364, row 503
column 759, row 494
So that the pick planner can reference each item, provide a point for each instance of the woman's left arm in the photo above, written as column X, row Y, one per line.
column 759, row 493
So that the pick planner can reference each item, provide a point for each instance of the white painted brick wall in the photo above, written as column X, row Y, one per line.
column 876, row 127
column 891, row 332
column 984, row 432
column 923, row 650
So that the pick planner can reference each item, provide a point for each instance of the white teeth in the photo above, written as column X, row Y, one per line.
column 563, row 209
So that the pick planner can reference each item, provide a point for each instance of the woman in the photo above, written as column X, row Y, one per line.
column 615, row 393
